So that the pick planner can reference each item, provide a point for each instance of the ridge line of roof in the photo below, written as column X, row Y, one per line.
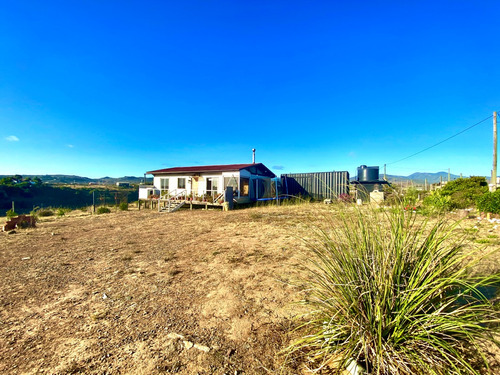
column 216, row 167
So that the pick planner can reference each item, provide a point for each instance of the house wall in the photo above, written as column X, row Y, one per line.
column 145, row 192
column 197, row 185
column 173, row 183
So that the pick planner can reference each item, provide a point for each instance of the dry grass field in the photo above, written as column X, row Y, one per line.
column 139, row 292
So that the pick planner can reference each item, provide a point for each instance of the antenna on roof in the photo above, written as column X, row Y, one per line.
column 253, row 155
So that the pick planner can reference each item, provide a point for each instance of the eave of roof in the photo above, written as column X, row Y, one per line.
column 204, row 168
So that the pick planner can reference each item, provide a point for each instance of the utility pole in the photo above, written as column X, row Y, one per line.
column 494, row 171
column 385, row 176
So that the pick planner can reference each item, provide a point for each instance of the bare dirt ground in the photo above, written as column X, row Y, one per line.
column 139, row 292
column 142, row 292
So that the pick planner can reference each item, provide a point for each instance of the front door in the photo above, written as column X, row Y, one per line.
column 194, row 186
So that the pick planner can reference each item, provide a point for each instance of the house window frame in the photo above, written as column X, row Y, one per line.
column 244, row 183
column 164, row 183
column 183, row 179
column 236, row 187
column 213, row 191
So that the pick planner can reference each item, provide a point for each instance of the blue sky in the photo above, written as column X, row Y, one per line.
column 114, row 88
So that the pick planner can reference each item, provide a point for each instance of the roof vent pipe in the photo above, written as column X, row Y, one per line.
column 253, row 155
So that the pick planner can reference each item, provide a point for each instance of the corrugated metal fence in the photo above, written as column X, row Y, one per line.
column 318, row 185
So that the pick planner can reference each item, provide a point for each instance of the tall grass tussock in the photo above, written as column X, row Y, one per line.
column 393, row 293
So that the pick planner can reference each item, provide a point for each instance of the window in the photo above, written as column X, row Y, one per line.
column 212, row 183
column 164, row 183
column 244, row 183
column 181, row 183
column 233, row 182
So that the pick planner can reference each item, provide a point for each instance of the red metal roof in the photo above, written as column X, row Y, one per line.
column 205, row 168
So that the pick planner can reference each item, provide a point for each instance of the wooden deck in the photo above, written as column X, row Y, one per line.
column 162, row 204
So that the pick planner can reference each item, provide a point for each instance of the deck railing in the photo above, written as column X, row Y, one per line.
column 211, row 196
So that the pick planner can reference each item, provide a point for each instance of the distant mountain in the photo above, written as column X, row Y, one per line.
column 420, row 177
column 431, row 178
column 417, row 178
column 71, row 179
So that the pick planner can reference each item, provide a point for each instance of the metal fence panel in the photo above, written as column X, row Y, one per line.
column 318, row 185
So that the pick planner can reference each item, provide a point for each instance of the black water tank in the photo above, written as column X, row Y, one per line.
column 367, row 173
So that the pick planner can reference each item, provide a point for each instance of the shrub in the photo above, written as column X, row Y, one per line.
column 436, row 203
column 463, row 192
column 61, row 212
column 395, row 296
column 489, row 202
column 45, row 212
column 123, row 206
column 103, row 210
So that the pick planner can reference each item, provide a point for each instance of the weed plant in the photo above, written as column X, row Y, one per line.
column 10, row 214
column 393, row 294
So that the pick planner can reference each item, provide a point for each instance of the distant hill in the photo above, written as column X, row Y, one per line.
column 420, row 177
column 71, row 179
column 432, row 178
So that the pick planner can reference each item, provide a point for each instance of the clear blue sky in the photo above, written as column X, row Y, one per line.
column 114, row 88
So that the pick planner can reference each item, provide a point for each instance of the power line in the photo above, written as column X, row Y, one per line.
column 444, row 140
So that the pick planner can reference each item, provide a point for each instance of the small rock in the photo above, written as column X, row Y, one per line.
column 104, row 296
column 175, row 336
column 188, row 344
column 203, row 348
column 26, row 258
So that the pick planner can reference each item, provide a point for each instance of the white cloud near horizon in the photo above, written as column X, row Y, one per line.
column 12, row 138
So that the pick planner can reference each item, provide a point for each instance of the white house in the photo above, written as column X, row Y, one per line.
column 249, row 182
